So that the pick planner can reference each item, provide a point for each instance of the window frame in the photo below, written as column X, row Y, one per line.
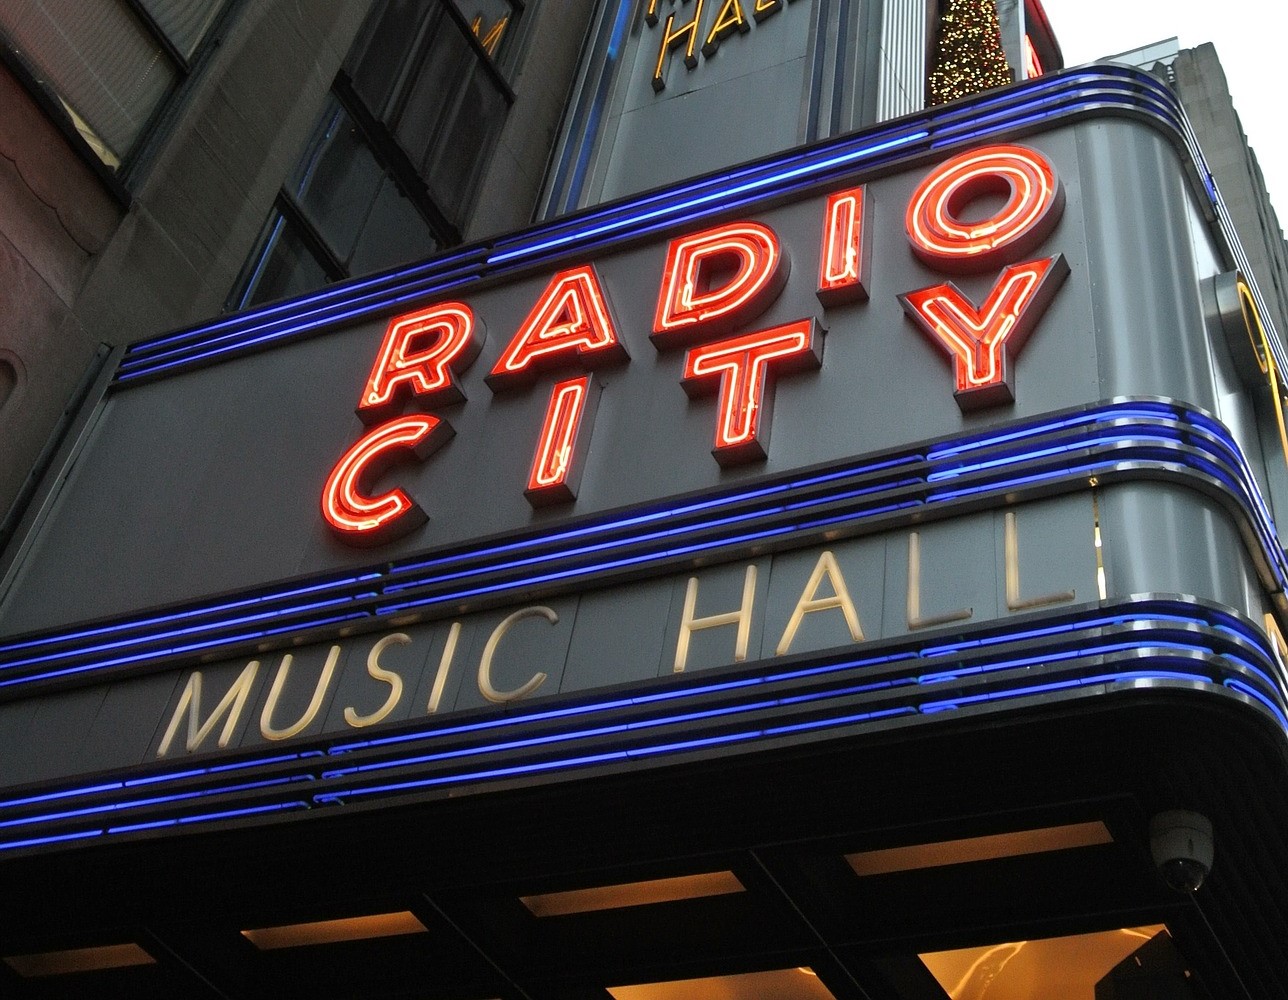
column 381, row 139
column 119, row 181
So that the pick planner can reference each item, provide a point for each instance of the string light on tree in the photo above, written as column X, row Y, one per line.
column 969, row 56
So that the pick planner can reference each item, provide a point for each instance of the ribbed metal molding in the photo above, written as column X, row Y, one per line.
column 1157, row 648
column 1115, row 441
column 902, row 81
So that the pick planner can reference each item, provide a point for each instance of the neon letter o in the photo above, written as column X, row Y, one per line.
column 943, row 238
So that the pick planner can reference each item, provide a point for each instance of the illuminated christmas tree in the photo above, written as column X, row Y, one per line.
column 969, row 56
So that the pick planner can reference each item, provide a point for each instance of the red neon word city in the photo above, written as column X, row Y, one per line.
column 715, row 283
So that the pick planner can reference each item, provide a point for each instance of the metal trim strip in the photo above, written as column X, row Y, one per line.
column 1123, row 440
column 1163, row 644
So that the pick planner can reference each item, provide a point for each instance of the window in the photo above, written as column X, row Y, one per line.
column 390, row 173
column 339, row 213
column 107, row 65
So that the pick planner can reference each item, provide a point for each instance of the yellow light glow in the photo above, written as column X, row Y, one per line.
column 1068, row 967
column 58, row 963
column 377, row 925
column 783, row 984
column 970, row 849
column 612, row 897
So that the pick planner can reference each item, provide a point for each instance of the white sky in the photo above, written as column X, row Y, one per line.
column 1247, row 40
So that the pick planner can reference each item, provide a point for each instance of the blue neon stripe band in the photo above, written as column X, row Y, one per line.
column 1061, row 96
column 1208, row 450
column 1162, row 621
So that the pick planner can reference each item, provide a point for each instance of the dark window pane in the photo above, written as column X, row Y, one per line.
column 395, row 233
column 417, row 86
column 451, row 165
column 432, row 84
column 336, row 182
column 452, row 112
column 283, row 266
column 378, row 62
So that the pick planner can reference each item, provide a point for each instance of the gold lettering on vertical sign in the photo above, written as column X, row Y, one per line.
column 742, row 618
column 444, row 668
column 765, row 8
column 810, row 602
column 671, row 38
column 379, row 673
column 486, row 688
column 915, row 618
column 1265, row 359
column 266, row 727
column 730, row 19
column 232, row 703
column 1014, row 601
column 492, row 38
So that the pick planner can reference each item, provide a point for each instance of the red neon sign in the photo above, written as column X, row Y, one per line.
column 742, row 368
column 842, row 272
column 942, row 237
column 982, row 342
column 366, row 520
column 714, row 283
column 571, row 321
column 554, row 474
column 716, row 280
column 418, row 355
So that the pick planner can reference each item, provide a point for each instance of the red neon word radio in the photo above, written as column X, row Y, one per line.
column 714, row 284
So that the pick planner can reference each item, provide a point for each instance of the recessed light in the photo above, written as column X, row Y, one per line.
column 376, row 925
column 58, row 963
column 612, row 897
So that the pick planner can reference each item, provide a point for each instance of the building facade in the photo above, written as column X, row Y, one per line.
column 665, row 515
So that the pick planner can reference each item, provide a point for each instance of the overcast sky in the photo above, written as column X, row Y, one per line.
column 1246, row 42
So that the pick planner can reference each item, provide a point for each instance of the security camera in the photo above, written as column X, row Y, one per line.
column 1181, row 843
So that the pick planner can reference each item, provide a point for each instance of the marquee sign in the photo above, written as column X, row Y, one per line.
column 715, row 284
column 901, row 424
column 852, row 593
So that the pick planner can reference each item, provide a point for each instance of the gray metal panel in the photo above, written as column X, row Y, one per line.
column 56, row 732
column 1148, row 309
column 630, row 615
column 359, row 693
column 718, row 592
column 228, row 462
column 15, row 733
column 727, row 109
column 441, row 677
column 1160, row 539
column 862, row 566
column 111, row 745
column 951, row 557
column 533, row 647
column 619, row 123
column 1054, row 554
column 717, row 125
column 216, row 680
